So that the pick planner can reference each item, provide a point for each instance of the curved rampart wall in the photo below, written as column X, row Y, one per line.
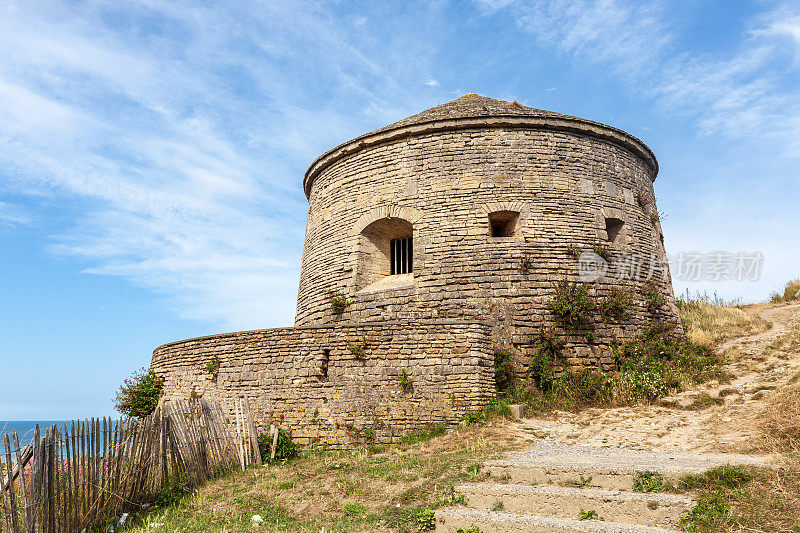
column 311, row 381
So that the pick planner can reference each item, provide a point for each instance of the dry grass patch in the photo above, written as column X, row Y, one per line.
column 711, row 323
column 381, row 489
column 780, row 420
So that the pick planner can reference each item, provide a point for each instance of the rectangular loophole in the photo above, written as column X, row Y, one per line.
column 503, row 223
column 401, row 256
column 323, row 367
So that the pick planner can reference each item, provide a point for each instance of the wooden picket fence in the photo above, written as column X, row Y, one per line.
column 83, row 474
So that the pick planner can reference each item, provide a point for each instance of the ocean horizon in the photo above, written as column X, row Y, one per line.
column 24, row 429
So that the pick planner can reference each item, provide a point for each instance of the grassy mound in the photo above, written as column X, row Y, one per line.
column 709, row 321
column 377, row 488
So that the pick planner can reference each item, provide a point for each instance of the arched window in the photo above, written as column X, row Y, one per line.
column 386, row 248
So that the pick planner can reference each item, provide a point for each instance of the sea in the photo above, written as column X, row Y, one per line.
column 24, row 429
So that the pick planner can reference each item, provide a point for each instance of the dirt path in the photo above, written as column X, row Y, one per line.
column 712, row 417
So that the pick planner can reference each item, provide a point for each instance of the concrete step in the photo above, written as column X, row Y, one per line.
column 451, row 520
column 609, row 468
column 653, row 509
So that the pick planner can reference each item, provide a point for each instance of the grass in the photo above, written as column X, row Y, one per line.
column 744, row 499
column 710, row 321
column 383, row 488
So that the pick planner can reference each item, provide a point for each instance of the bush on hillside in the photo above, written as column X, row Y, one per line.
column 653, row 365
column 139, row 394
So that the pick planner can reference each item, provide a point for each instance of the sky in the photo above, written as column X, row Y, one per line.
column 152, row 153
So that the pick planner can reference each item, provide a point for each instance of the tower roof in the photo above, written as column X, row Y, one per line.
column 473, row 110
column 472, row 105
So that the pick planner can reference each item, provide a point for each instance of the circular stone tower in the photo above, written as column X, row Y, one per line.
column 474, row 211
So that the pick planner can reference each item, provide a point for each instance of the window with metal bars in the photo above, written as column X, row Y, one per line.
column 400, row 256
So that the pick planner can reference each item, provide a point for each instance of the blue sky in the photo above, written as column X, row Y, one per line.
column 151, row 153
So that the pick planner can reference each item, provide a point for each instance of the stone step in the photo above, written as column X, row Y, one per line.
column 653, row 509
column 451, row 520
column 610, row 468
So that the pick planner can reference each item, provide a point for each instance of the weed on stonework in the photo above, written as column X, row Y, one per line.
column 653, row 365
column 572, row 305
column 616, row 305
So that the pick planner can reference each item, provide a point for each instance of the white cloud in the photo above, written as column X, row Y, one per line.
column 749, row 94
column 432, row 83
column 12, row 215
column 183, row 133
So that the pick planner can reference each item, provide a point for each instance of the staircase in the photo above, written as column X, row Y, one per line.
column 549, row 488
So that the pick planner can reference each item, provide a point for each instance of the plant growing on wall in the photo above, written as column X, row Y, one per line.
column 138, row 395
column 525, row 264
column 572, row 304
column 642, row 199
column 405, row 380
column 653, row 297
column 339, row 302
column 358, row 349
column 504, row 374
column 547, row 347
column 603, row 252
column 617, row 304
column 573, row 251
column 212, row 367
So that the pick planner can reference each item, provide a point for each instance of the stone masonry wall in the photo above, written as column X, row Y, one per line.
column 338, row 399
column 564, row 185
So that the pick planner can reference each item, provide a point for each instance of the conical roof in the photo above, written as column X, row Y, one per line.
column 472, row 105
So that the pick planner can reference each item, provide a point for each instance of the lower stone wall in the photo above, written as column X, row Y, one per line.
column 314, row 382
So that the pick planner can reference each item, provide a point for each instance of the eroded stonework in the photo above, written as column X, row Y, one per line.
column 476, row 186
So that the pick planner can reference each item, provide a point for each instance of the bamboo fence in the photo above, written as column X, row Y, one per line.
column 81, row 475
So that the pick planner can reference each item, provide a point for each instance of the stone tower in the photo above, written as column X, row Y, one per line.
column 459, row 195
column 442, row 236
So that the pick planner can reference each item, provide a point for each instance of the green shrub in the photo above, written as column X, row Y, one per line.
column 547, row 347
column 284, row 450
column 472, row 529
column 654, row 297
column 405, row 380
column 504, row 373
column 138, row 395
column 426, row 520
column 617, row 304
column 573, row 251
column 339, row 302
column 729, row 477
column 525, row 264
column 654, row 364
column 585, row 387
column 358, row 349
column 716, row 486
column 571, row 304
column 171, row 493
column 212, row 367
column 603, row 252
